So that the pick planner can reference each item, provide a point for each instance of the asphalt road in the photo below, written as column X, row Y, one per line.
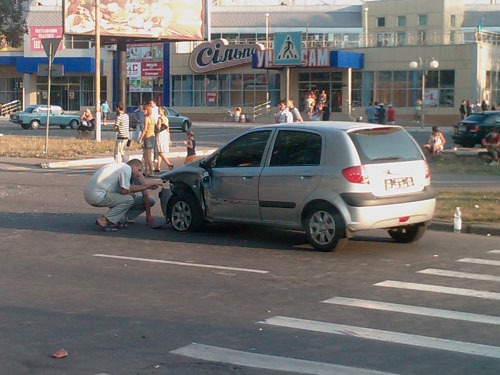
column 231, row 299
column 206, row 134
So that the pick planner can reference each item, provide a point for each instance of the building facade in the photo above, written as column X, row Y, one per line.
column 357, row 53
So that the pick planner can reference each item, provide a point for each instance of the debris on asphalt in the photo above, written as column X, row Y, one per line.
column 61, row 353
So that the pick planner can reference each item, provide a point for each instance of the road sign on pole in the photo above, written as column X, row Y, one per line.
column 50, row 45
column 288, row 48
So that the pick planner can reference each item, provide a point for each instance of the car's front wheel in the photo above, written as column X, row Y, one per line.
column 73, row 124
column 185, row 213
column 35, row 124
column 325, row 228
column 407, row 234
column 185, row 126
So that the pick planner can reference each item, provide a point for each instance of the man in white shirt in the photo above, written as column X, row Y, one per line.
column 115, row 186
column 283, row 115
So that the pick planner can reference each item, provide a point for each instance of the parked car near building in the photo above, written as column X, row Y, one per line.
column 175, row 119
column 330, row 179
column 472, row 129
column 36, row 115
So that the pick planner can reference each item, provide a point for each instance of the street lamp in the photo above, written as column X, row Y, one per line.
column 267, row 57
column 423, row 66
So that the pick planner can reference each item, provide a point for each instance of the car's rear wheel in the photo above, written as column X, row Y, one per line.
column 185, row 126
column 73, row 124
column 185, row 213
column 35, row 124
column 325, row 228
column 25, row 126
column 407, row 234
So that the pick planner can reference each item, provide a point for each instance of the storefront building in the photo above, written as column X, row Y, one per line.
column 206, row 79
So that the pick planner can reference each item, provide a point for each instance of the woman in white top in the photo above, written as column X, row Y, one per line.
column 163, row 141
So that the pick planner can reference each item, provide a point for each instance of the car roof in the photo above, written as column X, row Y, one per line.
column 329, row 126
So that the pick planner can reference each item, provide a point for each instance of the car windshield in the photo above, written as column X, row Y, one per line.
column 477, row 117
column 384, row 145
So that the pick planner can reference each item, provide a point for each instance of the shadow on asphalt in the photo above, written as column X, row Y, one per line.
column 238, row 235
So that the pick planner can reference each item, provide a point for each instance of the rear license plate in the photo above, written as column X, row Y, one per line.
column 398, row 183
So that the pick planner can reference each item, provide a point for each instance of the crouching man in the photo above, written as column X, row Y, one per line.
column 115, row 186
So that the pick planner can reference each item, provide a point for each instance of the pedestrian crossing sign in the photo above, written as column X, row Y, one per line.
column 288, row 48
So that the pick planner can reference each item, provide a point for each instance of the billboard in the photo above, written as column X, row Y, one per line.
column 37, row 33
column 164, row 19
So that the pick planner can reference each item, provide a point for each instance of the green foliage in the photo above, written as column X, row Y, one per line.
column 12, row 21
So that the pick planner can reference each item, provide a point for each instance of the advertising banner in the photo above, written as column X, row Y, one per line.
column 134, row 69
column 37, row 33
column 166, row 19
column 151, row 69
column 431, row 97
column 211, row 97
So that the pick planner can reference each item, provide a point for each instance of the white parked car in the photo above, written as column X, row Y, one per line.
column 329, row 179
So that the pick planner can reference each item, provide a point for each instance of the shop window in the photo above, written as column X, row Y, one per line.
column 421, row 37
column 432, row 79
column 384, row 80
column 401, row 21
column 447, row 78
column 401, row 38
column 447, row 98
column 336, row 76
column 304, row 77
column 381, row 21
column 399, row 98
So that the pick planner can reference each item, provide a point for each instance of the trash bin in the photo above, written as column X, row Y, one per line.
column 242, row 118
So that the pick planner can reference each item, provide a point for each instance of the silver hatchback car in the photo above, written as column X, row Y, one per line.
column 330, row 179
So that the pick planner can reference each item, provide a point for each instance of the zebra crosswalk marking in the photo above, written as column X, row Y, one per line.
column 386, row 336
column 440, row 289
column 488, row 262
column 268, row 362
column 414, row 310
column 463, row 275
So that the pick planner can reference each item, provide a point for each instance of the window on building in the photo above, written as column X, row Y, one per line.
column 452, row 20
column 452, row 37
column 421, row 37
column 401, row 21
column 225, row 90
column 422, row 20
column 401, row 38
column 381, row 21
column 11, row 89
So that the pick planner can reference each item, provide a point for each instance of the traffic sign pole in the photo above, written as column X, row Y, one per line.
column 46, row 152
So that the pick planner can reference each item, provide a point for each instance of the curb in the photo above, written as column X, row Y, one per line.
column 467, row 228
column 110, row 159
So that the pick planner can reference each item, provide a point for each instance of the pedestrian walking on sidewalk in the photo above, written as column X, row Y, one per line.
column 163, row 141
column 122, row 134
column 191, row 148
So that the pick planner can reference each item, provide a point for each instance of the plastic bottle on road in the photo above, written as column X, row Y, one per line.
column 457, row 221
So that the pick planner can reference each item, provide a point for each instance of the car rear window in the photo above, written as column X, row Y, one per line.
column 477, row 118
column 384, row 145
column 29, row 109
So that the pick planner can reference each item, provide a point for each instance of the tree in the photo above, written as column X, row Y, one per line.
column 13, row 21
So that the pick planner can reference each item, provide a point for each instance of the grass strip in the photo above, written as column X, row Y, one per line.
column 477, row 207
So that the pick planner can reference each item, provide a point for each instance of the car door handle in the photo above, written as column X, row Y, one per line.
column 247, row 177
column 306, row 177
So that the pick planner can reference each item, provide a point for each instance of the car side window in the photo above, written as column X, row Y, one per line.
column 490, row 120
column 246, row 151
column 296, row 148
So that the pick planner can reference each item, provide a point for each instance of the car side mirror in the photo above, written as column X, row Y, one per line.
column 208, row 163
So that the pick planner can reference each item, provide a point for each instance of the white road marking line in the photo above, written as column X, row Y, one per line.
column 386, row 336
column 463, row 275
column 440, row 289
column 415, row 310
column 181, row 263
column 494, row 251
column 268, row 362
column 480, row 261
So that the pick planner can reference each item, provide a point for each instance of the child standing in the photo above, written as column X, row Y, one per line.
column 191, row 148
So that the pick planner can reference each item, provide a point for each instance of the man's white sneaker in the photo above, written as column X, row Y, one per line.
column 494, row 162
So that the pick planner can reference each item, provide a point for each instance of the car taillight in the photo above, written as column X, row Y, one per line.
column 356, row 174
column 427, row 171
column 473, row 128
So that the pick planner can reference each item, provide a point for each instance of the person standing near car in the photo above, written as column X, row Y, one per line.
column 283, row 114
column 139, row 112
column 294, row 111
column 462, row 109
column 122, row 135
column 149, row 141
column 492, row 144
column 105, row 112
column 115, row 186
